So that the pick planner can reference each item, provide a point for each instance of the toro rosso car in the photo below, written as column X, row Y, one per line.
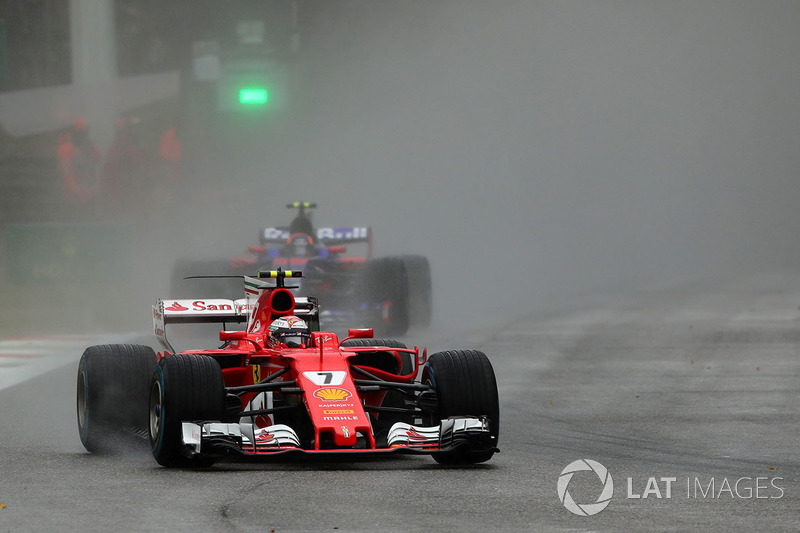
column 390, row 293
column 279, row 386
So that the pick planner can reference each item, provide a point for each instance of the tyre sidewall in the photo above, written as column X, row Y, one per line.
column 111, row 394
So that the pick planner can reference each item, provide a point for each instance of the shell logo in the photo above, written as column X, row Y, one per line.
column 332, row 393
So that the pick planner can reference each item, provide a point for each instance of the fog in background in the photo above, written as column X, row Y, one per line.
column 532, row 150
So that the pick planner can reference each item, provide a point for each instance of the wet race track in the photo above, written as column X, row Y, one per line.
column 687, row 395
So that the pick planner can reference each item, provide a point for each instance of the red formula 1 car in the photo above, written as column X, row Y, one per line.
column 281, row 386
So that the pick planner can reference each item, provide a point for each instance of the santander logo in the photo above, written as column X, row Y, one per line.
column 216, row 306
column 176, row 307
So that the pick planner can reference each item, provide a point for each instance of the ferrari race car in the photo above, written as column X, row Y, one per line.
column 391, row 293
column 280, row 386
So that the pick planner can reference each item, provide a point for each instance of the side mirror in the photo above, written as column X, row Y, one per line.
column 360, row 333
column 226, row 336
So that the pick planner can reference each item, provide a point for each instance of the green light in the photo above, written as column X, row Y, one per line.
column 253, row 96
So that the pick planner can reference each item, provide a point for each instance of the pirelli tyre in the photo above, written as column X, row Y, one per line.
column 112, row 394
column 400, row 287
column 183, row 388
column 465, row 385
column 386, row 289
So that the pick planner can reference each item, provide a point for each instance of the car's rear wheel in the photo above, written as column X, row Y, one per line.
column 112, row 394
column 183, row 388
column 465, row 385
column 420, row 295
column 386, row 288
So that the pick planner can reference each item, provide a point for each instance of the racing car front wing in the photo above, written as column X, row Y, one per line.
column 248, row 440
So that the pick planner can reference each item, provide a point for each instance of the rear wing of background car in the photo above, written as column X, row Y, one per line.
column 324, row 236
column 216, row 311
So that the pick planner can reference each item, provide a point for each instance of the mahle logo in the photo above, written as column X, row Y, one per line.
column 585, row 509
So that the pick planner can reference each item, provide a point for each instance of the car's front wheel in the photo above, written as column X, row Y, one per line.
column 183, row 388
column 465, row 385
column 111, row 394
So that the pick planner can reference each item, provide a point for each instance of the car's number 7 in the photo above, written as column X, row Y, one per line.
column 335, row 377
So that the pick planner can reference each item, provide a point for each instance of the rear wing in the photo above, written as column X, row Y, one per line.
column 346, row 235
column 196, row 311
column 216, row 311
column 326, row 236
column 274, row 235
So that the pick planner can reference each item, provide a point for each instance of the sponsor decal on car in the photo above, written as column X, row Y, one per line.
column 332, row 394
column 200, row 306
column 176, row 307
column 343, row 233
column 325, row 339
column 275, row 234
column 413, row 434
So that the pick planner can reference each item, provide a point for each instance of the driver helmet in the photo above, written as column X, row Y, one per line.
column 291, row 331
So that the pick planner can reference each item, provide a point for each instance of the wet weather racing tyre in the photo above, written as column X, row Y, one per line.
column 183, row 388
column 387, row 289
column 112, row 394
column 465, row 385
